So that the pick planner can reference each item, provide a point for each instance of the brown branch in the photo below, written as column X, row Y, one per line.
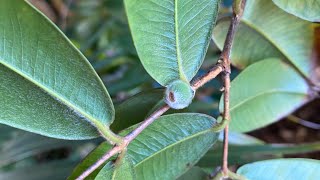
column 212, row 73
column 225, row 58
column 104, row 158
column 223, row 65
column 131, row 136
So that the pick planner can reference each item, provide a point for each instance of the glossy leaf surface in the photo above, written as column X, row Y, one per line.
column 171, row 36
column 47, row 86
column 268, row 31
column 159, row 152
column 259, row 100
column 294, row 169
column 305, row 9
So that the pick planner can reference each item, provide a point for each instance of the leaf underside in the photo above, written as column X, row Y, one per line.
column 256, row 101
column 305, row 9
column 268, row 31
column 171, row 36
column 282, row 169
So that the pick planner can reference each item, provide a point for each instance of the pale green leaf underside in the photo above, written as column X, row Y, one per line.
column 167, row 148
column 47, row 86
column 267, row 31
column 121, row 170
column 249, row 45
column 171, row 36
column 305, row 9
column 263, row 93
column 282, row 169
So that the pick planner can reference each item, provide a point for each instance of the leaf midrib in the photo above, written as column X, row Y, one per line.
column 265, row 93
column 178, row 48
column 53, row 94
column 174, row 144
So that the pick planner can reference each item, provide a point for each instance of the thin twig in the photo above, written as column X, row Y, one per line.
column 132, row 135
column 221, row 66
column 104, row 158
column 225, row 58
column 212, row 73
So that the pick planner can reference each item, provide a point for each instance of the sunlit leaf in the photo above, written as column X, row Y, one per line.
column 305, row 9
column 263, row 93
column 267, row 31
column 293, row 169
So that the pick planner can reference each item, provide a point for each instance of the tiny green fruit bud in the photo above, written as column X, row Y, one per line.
column 179, row 94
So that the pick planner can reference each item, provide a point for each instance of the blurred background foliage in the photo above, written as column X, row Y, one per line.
column 99, row 29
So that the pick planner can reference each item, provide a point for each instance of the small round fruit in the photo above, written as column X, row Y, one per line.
column 179, row 94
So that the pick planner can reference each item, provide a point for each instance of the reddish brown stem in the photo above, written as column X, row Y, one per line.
column 222, row 65
column 212, row 73
column 225, row 58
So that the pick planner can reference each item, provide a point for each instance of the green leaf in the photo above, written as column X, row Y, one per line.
column 270, row 32
column 162, row 151
column 174, row 136
column 47, row 86
column 255, row 48
column 121, row 170
column 135, row 109
column 305, row 9
column 241, row 154
column 282, row 169
column 263, row 93
column 195, row 173
column 171, row 36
